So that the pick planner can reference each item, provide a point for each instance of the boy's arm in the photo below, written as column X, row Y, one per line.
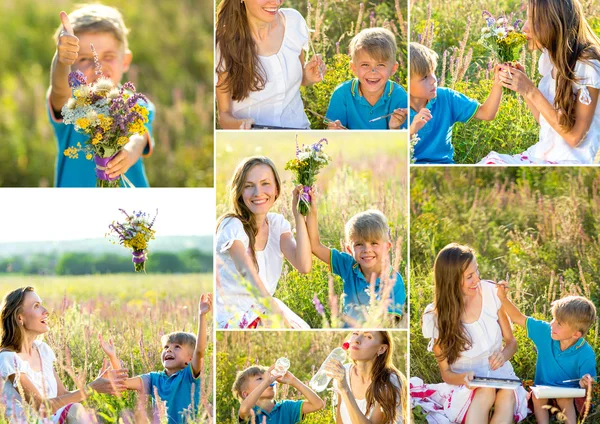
column 313, row 401
column 128, row 156
column 204, row 308
column 320, row 251
column 247, row 404
column 66, row 53
column 490, row 107
column 513, row 312
column 133, row 383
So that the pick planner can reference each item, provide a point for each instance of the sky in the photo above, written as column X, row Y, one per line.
column 73, row 214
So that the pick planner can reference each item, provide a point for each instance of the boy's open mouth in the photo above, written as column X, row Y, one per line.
column 372, row 81
column 169, row 357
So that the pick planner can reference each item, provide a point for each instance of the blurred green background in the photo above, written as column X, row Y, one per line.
column 172, row 45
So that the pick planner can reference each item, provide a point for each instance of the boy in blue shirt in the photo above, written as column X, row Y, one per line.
column 562, row 352
column 182, row 357
column 103, row 27
column 371, row 94
column 255, row 389
column 434, row 111
column 366, row 260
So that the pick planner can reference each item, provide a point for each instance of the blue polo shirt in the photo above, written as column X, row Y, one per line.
column 176, row 390
column 354, row 112
column 356, row 286
column 553, row 365
column 284, row 412
column 80, row 172
column 435, row 138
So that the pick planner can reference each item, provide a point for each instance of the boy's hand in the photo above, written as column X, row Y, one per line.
column 398, row 118
column 315, row 69
column 502, row 289
column 496, row 360
column 420, row 120
column 335, row 125
column 205, row 305
column 68, row 45
column 107, row 347
column 313, row 200
column 127, row 157
column 586, row 381
column 287, row 378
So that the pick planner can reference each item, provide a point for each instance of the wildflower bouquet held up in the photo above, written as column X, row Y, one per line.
column 108, row 115
column 134, row 233
column 307, row 164
column 503, row 40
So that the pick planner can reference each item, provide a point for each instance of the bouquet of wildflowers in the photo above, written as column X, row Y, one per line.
column 505, row 41
column 134, row 233
column 108, row 115
column 307, row 164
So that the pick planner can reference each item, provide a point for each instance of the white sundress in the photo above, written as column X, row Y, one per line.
column 236, row 306
column 279, row 103
column 447, row 403
column 551, row 147
column 44, row 381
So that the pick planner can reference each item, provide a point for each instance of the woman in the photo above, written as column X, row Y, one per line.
column 565, row 103
column 27, row 364
column 251, row 244
column 261, row 65
column 370, row 388
column 467, row 325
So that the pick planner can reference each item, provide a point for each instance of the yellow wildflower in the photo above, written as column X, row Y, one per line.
column 88, row 156
column 105, row 122
column 121, row 141
column 82, row 123
column 97, row 139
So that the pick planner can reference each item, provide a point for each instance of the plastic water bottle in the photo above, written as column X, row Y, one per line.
column 320, row 380
column 281, row 367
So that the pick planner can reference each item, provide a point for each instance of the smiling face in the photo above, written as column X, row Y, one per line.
column 369, row 255
column 253, row 382
column 372, row 74
column 561, row 331
column 259, row 189
column 176, row 356
column 33, row 316
column 366, row 345
column 470, row 282
column 115, row 62
column 263, row 11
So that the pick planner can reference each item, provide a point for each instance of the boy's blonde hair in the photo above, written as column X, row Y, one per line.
column 423, row 60
column 179, row 337
column 95, row 18
column 576, row 311
column 242, row 378
column 379, row 43
column 370, row 225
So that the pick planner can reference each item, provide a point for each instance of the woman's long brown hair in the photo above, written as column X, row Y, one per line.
column 236, row 202
column 448, row 270
column 560, row 27
column 239, row 57
column 12, row 305
column 382, row 390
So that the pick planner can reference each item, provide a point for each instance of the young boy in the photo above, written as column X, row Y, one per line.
column 434, row 111
column 371, row 94
column 255, row 389
column 103, row 27
column 182, row 357
column 562, row 352
column 367, row 249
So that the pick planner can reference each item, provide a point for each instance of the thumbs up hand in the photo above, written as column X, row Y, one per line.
column 68, row 45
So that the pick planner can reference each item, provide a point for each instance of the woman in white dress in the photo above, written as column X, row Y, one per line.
column 260, row 56
column 27, row 364
column 251, row 245
column 370, row 389
column 565, row 103
column 467, row 325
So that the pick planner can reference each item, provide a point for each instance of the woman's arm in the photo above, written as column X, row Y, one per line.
column 224, row 103
column 519, row 82
column 313, row 70
column 297, row 251
column 448, row 375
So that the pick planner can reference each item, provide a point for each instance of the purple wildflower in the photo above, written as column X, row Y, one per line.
column 97, row 66
column 419, row 38
column 516, row 24
column 372, row 22
column 490, row 22
column 485, row 14
column 76, row 79
column 318, row 305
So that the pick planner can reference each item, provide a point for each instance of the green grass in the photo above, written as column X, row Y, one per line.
column 538, row 225
column 134, row 310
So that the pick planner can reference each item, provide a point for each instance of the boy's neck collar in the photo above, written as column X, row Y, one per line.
column 170, row 373
column 565, row 345
column 385, row 93
column 416, row 104
column 266, row 405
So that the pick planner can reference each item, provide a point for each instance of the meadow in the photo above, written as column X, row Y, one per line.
column 306, row 351
column 360, row 177
column 538, row 226
column 332, row 25
column 452, row 28
column 135, row 310
column 172, row 45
